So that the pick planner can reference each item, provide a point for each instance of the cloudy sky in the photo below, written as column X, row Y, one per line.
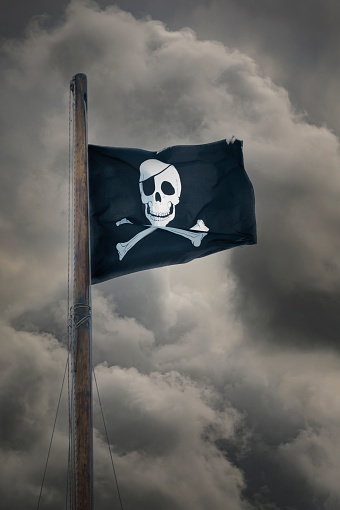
column 220, row 378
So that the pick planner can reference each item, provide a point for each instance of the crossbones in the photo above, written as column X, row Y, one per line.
column 195, row 235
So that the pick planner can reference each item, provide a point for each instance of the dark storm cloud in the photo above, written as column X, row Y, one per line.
column 286, row 442
column 16, row 15
column 296, row 43
column 152, row 433
column 31, row 369
column 198, row 391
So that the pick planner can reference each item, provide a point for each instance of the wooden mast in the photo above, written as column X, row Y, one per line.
column 82, row 305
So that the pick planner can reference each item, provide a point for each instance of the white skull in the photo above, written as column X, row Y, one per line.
column 160, row 190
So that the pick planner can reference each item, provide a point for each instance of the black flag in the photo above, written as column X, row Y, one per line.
column 151, row 209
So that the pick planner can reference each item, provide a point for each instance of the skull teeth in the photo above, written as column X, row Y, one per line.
column 159, row 214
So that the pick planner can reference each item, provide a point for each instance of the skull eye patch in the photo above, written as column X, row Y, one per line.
column 167, row 188
column 148, row 186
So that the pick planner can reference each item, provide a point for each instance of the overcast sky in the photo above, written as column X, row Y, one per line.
column 219, row 378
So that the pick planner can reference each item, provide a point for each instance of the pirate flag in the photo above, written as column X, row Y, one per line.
column 152, row 209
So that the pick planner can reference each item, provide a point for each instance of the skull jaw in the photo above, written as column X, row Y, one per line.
column 157, row 216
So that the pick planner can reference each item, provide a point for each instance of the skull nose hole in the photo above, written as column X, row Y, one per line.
column 158, row 197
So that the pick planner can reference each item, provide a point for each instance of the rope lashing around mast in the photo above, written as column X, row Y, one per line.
column 83, row 319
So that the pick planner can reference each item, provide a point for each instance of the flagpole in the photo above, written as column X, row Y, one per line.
column 82, row 305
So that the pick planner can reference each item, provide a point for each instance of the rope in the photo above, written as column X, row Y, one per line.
column 85, row 318
column 68, row 469
column 70, row 473
column 108, row 442
column 71, row 459
column 69, row 325
column 49, row 449
column 69, row 321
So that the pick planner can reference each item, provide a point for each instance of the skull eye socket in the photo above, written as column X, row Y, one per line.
column 167, row 188
column 148, row 186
